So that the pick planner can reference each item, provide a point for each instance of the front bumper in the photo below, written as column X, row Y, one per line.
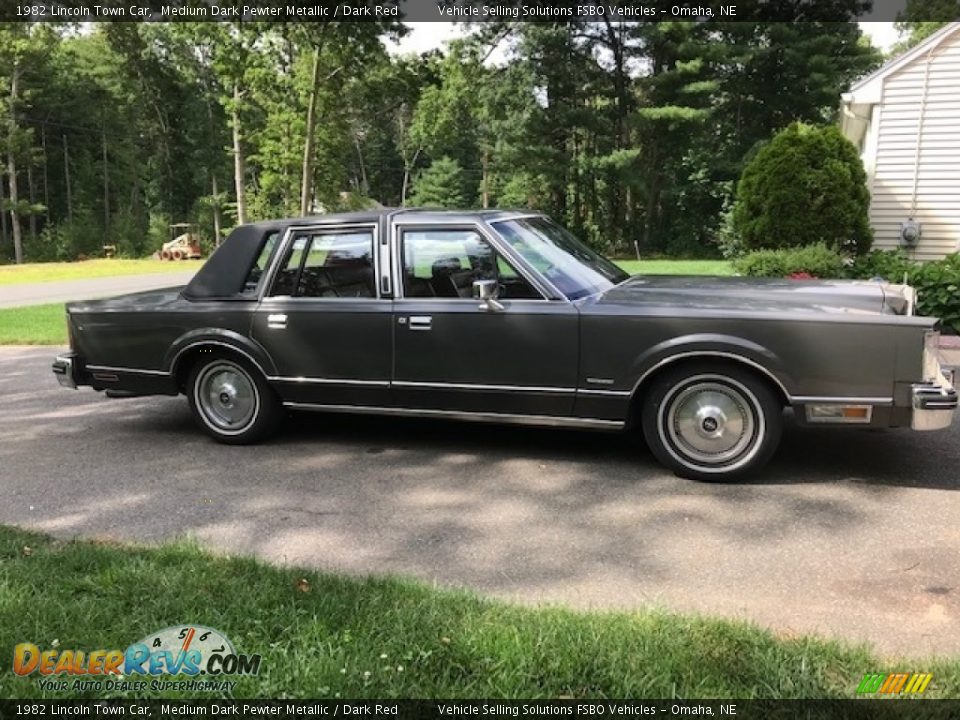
column 933, row 407
column 65, row 368
column 933, row 402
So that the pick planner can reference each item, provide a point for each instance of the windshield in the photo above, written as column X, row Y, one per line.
column 573, row 268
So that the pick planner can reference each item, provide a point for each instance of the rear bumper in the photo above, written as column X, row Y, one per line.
column 66, row 368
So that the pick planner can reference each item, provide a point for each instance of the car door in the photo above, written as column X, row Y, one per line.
column 452, row 353
column 322, row 319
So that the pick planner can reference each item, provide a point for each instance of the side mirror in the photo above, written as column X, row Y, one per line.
column 486, row 291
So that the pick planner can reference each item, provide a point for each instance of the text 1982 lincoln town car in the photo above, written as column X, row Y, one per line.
column 504, row 316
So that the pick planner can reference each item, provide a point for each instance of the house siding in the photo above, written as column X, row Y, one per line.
column 930, row 150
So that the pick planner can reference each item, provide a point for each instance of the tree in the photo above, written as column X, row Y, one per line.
column 22, row 47
column 440, row 185
column 921, row 18
column 806, row 186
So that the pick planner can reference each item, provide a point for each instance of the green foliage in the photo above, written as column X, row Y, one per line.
column 440, row 185
column 937, row 283
column 633, row 134
column 158, row 231
column 816, row 260
column 806, row 186
column 889, row 265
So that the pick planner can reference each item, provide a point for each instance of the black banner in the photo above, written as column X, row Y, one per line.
column 446, row 709
column 470, row 10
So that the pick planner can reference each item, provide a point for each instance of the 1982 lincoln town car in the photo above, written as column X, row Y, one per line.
column 506, row 317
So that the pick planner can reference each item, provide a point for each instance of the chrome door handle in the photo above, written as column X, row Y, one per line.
column 277, row 321
column 421, row 322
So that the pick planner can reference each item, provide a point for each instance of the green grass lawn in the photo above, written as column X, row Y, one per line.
column 48, row 272
column 676, row 267
column 33, row 325
column 322, row 635
column 45, row 325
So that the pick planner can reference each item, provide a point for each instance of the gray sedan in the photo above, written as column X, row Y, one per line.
column 506, row 317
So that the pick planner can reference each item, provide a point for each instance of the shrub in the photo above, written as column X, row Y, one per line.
column 889, row 265
column 815, row 260
column 806, row 186
column 937, row 283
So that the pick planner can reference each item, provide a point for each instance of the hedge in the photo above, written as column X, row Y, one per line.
column 937, row 283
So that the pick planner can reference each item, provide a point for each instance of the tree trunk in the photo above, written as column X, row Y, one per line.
column 106, row 190
column 12, row 169
column 306, row 179
column 407, row 168
column 485, row 180
column 4, row 229
column 32, row 195
column 239, row 162
column 364, row 181
column 216, row 208
column 46, row 176
column 66, row 176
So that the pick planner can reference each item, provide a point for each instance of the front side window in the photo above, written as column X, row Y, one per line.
column 572, row 267
column 444, row 263
column 328, row 265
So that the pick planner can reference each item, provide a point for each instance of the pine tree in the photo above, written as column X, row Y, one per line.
column 440, row 185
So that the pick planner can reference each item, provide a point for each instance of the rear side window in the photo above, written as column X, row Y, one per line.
column 252, row 283
column 328, row 265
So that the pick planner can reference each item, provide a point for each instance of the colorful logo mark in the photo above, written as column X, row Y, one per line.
column 894, row 683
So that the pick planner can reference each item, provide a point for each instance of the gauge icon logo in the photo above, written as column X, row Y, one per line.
column 188, row 650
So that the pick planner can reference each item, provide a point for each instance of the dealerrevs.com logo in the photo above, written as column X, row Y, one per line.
column 203, row 655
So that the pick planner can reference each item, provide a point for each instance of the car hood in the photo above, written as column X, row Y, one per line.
column 759, row 294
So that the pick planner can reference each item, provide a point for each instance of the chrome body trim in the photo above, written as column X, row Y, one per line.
column 833, row 400
column 327, row 381
column 604, row 393
column 536, row 420
column 711, row 353
column 201, row 343
column 482, row 388
column 321, row 229
column 540, row 284
column 135, row 371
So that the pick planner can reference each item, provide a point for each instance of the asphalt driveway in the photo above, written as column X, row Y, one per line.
column 849, row 533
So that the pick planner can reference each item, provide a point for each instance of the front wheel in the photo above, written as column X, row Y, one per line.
column 710, row 422
column 231, row 401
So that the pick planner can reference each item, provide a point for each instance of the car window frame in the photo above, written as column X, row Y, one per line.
column 398, row 248
column 332, row 229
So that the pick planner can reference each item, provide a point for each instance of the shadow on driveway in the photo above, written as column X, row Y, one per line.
column 851, row 533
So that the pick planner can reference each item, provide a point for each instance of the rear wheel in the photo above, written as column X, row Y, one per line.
column 231, row 400
column 711, row 422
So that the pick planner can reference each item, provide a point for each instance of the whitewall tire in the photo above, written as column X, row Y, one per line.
column 231, row 400
column 711, row 421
